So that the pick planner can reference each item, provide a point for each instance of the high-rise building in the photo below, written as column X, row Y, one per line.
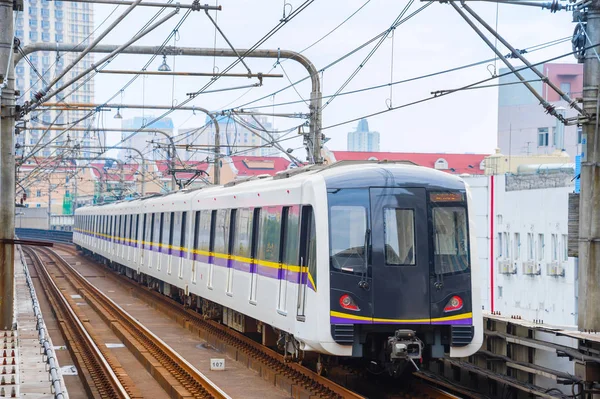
column 524, row 127
column 54, row 22
column 154, row 146
column 240, row 136
column 362, row 139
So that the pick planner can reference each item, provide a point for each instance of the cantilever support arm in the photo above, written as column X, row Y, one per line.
column 314, row 150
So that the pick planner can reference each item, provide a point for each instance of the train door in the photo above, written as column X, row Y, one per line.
column 400, row 256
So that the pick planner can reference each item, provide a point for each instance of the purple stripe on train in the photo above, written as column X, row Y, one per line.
column 343, row 320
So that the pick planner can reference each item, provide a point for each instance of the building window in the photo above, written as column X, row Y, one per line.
column 38, row 193
column 554, row 247
column 45, row 36
column 45, row 12
column 565, row 247
column 517, row 244
column 579, row 135
column 33, row 22
column 500, row 246
column 566, row 88
column 19, row 33
column 530, row 249
column 32, row 11
column 33, row 35
column 541, row 246
column 45, row 24
column 59, row 38
column 441, row 164
column 543, row 137
column 58, row 13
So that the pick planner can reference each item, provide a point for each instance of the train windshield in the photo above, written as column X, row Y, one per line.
column 348, row 219
column 450, row 239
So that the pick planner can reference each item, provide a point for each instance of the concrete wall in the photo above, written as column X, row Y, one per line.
column 532, row 288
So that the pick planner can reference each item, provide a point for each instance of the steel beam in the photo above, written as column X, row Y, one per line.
column 315, row 135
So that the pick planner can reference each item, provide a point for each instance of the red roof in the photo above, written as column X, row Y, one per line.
column 457, row 163
column 254, row 166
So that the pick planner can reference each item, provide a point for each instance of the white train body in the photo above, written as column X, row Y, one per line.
column 285, row 286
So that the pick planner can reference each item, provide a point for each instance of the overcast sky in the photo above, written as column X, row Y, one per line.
column 434, row 40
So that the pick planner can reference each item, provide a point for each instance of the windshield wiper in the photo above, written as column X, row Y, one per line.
column 363, row 283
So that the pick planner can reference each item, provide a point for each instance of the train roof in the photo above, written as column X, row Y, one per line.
column 344, row 174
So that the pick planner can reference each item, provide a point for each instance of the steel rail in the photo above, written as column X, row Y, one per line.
column 116, row 387
column 144, row 335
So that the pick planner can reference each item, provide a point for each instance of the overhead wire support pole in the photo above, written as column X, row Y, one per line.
column 588, row 317
column 547, row 106
column 572, row 103
column 7, row 165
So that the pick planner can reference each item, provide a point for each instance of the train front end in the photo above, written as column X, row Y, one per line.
column 403, row 282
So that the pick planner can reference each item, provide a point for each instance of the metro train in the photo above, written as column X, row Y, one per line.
column 374, row 261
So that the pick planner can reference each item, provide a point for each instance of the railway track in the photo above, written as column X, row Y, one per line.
column 101, row 381
column 179, row 378
column 266, row 361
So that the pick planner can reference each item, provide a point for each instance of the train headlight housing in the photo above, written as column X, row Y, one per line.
column 455, row 303
column 348, row 303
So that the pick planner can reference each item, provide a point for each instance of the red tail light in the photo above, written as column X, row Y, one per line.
column 455, row 303
column 347, row 302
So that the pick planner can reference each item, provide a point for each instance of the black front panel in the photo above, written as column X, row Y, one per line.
column 400, row 255
column 349, row 224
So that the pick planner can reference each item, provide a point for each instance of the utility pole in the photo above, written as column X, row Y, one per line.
column 7, row 165
column 589, row 202
column 49, row 202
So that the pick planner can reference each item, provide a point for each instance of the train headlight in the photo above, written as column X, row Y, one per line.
column 455, row 303
column 348, row 303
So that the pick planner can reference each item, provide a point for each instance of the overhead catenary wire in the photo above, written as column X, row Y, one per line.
column 462, row 88
column 419, row 77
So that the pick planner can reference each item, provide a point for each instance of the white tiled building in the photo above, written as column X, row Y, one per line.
column 54, row 22
column 521, row 227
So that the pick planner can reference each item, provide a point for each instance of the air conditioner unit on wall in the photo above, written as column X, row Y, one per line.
column 555, row 269
column 532, row 268
column 507, row 267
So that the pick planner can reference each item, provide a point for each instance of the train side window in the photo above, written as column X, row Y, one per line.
column 255, row 229
column 171, row 220
column 137, row 227
column 183, row 226
column 113, row 227
column 213, row 228
column 243, row 233
column 399, row 233
column 221, row 232
column 205, row 233
column 144, row 223
column 196, row 229
column 160, row 230
column 292, row 238
column 150, row 234
column 131, row 230
column 175, row 232
column 270, row 234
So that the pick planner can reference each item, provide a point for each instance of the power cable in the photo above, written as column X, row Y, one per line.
column 447, row 92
